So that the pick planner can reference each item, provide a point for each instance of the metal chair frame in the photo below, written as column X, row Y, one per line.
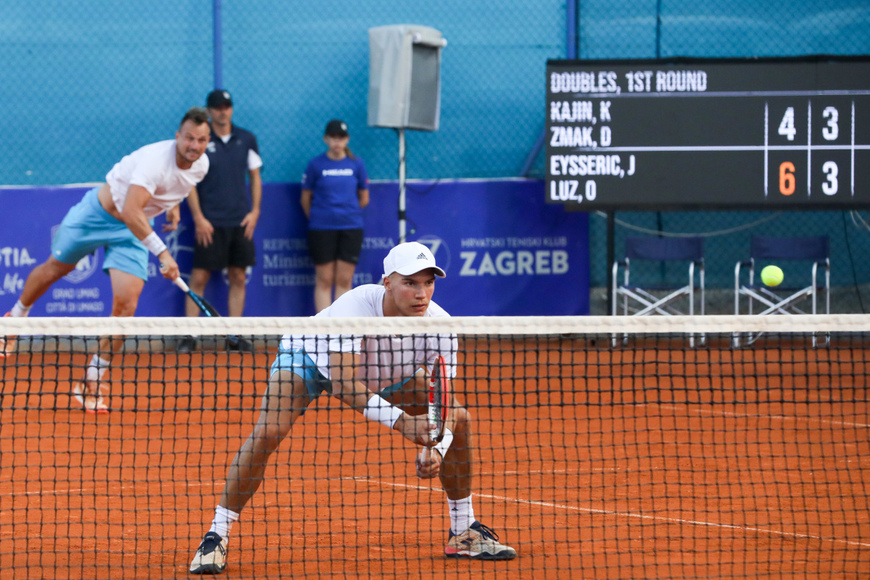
column 784, row 300
column 688, row 249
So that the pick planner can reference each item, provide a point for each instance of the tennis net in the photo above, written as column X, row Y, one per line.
column 603, row 447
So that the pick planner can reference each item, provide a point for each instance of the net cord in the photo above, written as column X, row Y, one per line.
column 489, row 325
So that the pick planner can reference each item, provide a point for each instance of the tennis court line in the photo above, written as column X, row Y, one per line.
column 759, row 416
column 748, row 529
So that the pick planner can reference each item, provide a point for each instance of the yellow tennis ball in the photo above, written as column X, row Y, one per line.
column 771, row 275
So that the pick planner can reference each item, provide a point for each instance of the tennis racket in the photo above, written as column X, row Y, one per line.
column 203, row 305
column 439, row 400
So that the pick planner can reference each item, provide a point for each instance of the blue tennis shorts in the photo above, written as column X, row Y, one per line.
column 301, row 365
column 87, row 227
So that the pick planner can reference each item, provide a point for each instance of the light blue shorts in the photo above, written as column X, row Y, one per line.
column 88, row 227
column 301, row 365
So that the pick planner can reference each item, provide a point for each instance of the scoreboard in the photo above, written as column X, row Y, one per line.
column 708, row 134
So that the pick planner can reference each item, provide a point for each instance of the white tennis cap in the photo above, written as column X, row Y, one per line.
column 409, row 258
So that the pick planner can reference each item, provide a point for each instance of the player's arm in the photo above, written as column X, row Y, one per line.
column 133, row 215
column 355, row 394
column 305, row 202
column 173, row 217
column 363, row 197
column 203, row 227
column 250, row 221
column 362, row 189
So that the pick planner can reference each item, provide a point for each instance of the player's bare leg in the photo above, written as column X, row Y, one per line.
column 285, row 400
column 37, row 283
column 467, row 537
column 199, row 277
column 126, row 289
column 198, row 280
column 42, row 277
column 238, row 278
column 324, row 279
column 343, row 277
column 457, row 467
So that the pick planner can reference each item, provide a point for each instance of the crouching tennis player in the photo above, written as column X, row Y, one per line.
column 363, row 373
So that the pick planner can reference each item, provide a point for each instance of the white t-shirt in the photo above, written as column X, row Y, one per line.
column 154, row 167
column 384, row 360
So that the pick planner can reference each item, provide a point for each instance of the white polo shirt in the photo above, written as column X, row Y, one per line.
column 154, row 167
column 385, row 360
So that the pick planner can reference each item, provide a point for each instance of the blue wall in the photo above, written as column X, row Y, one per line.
column 517, row 256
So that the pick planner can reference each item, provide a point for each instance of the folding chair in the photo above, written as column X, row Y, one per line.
column 669, row 300
column 763, row 300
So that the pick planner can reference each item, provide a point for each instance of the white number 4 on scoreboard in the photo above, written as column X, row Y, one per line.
column 786, row 126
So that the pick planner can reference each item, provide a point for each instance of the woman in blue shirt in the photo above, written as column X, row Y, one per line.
column 335, row 189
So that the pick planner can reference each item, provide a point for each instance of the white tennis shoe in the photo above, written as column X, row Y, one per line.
column 478, row 542
column 211, row 557
column 89, row 395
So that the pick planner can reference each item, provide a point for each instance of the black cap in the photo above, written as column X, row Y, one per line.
column 218, row 98
column 336, row 128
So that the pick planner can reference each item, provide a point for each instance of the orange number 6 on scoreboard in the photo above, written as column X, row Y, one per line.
column 786, row 178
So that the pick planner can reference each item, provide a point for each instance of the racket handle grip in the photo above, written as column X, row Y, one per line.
column 178, row 281
column 182, row 284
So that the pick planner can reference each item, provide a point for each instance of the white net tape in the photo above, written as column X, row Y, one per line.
column 490, row 325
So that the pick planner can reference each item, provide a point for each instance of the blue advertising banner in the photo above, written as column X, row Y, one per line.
column 505, row 251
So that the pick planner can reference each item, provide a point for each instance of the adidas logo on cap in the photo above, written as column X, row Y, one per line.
column 405, row 259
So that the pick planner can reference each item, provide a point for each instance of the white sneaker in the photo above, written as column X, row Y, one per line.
column 211, row 557
column 89, row 395
column 479, row 543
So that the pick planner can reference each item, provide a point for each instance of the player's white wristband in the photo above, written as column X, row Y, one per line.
column 154, row 244
column 380, row 411
column 445, row 442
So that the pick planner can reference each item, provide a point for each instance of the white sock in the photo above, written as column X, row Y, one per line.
column 19, row 310
column 223, row 522
column 461, row 514
column 97, row 368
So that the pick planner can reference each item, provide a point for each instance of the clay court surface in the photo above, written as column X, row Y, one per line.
column 591, row 462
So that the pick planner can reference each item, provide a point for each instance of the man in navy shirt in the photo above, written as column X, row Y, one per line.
column 223, row 213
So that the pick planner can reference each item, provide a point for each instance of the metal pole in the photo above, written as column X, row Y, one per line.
column 571, row 10
column 611, row 256
column 218, row 44
column 402, row 214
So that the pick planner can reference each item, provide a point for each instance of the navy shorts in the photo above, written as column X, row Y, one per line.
column 327, row 246
column 229, row 248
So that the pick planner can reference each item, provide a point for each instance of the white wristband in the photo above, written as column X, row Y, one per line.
column 380, row 411
column 154, row 244
column 445, row 442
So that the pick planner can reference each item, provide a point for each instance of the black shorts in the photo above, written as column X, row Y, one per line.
column 330, row 245
column 229, row 247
